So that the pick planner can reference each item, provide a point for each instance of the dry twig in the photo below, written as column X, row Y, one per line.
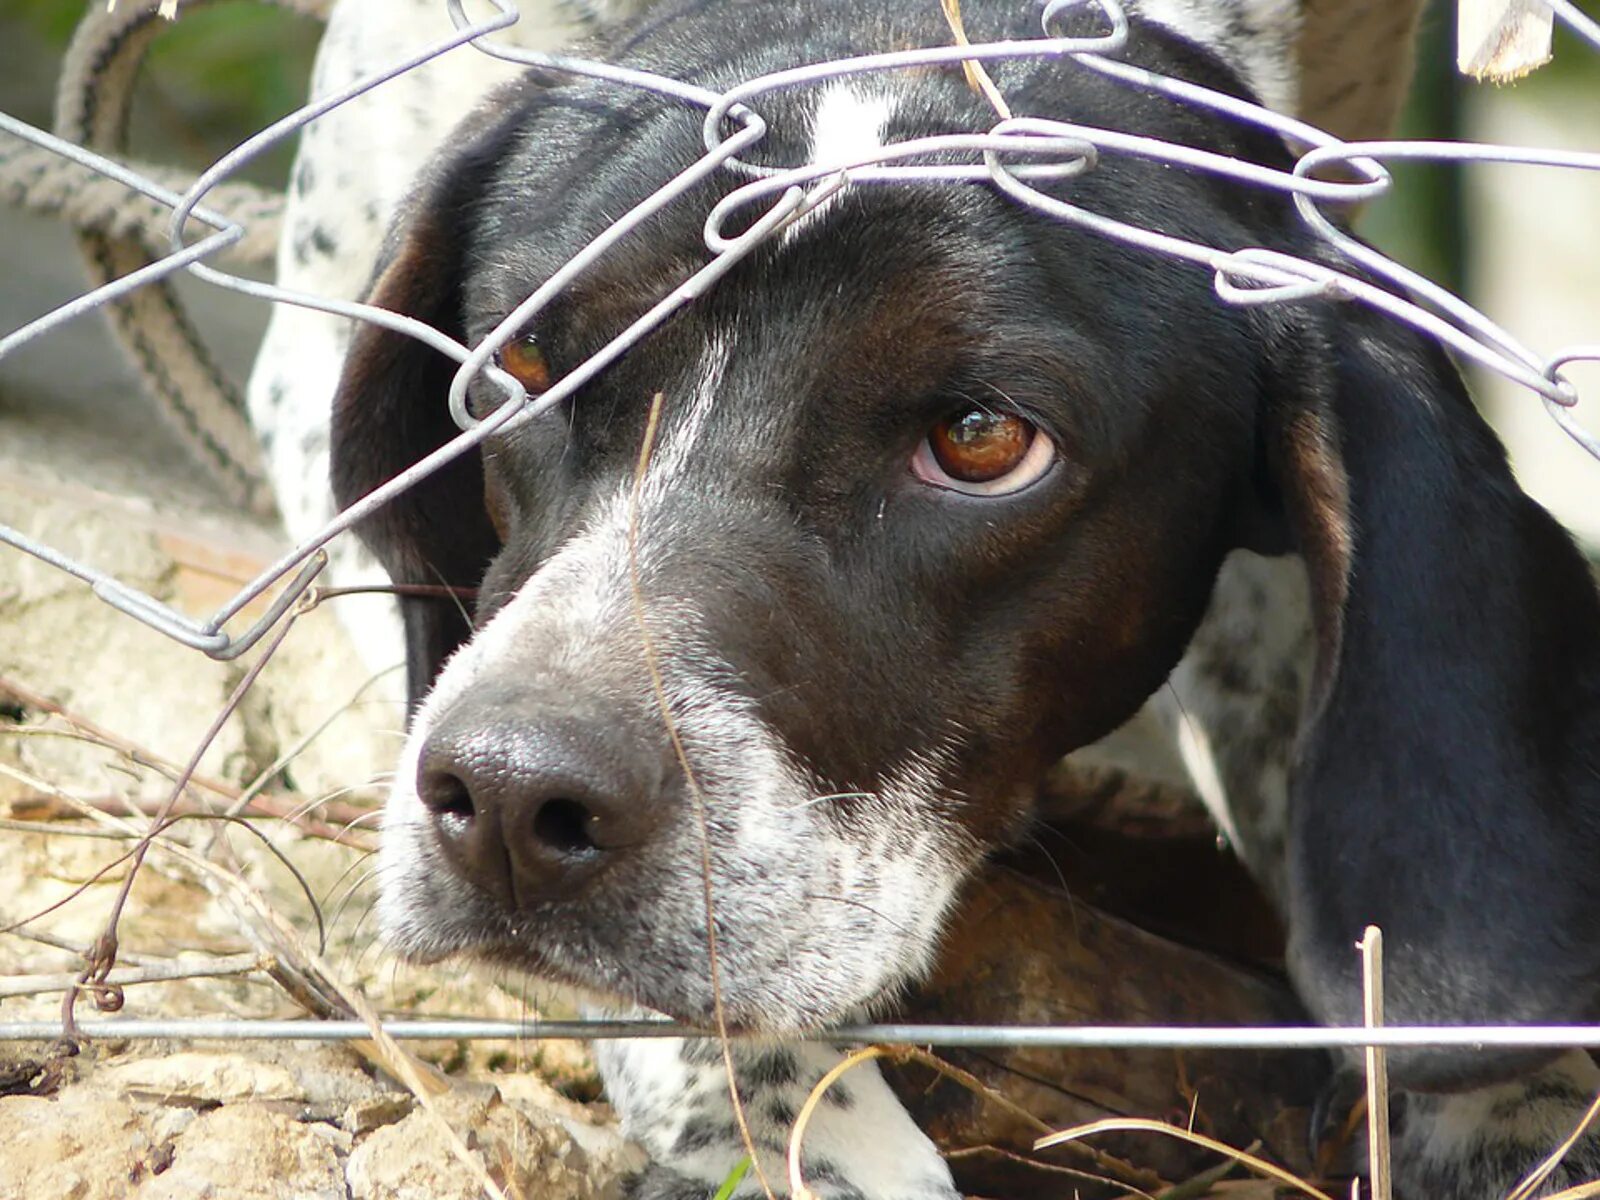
column 1371, row 947
column 658, row 686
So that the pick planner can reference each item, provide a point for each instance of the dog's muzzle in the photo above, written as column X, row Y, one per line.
column 555, row 811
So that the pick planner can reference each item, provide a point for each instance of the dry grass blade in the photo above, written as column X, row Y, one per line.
column 1048, row 1168
column 232, row 964
column 1582, row 1192
column 1371, row 946
column 114, row 827
column 1117, row 1173
column 313, row 983
column 1540, row 1173
column 697, row 797
column 249, row 794
column 30, row 699
column 797, row 1183
column 1201, row 1184
column 1146, row 1125
column 978, row 78
column 52, row 829
column 421, row 1080
column 1138, row 1180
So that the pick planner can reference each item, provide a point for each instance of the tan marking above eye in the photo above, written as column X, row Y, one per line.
column 978, row 446
column 525, row 362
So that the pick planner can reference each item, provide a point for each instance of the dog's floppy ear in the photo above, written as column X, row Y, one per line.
column 391, row 406
column 1447, row 784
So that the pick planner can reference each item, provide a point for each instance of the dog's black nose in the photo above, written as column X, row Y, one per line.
column 532, row 810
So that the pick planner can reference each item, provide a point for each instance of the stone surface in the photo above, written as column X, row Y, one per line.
column 364, row 1116
column 525, row 1154
column 197, row 1079
column 180, row 1127
column 248, row 1152
column 84, row 1145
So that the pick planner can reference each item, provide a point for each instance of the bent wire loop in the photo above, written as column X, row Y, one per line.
column 1016, row 157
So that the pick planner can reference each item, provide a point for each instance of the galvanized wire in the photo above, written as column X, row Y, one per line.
column 1013, row 156
column 1061, row 1037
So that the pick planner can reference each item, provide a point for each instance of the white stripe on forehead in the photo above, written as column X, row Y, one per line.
column 683, row 418
column 846, row 126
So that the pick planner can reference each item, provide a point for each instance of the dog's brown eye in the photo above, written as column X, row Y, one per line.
column 524, row 361
column 978, row 446
column 983, row 453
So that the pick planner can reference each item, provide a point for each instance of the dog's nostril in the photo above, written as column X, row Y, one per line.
column 563, row 826
column 446, row 795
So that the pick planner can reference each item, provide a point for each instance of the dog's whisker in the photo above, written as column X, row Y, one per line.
column 828, row 797
column 357, row 883
column 1055, row 867
column 854, row 902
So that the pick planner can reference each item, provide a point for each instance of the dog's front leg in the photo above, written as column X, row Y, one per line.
column 1479, row 1145
column 672, row 1095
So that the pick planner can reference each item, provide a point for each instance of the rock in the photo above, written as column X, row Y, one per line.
column 527, row 1156
column 531, row 1090
column 366, row 1115
column 149, row 689
column 222, row 1125
column 197, row 1079
column 78, row 1146
column 331, row 1079
column 165, row 1124
column 248, row 1152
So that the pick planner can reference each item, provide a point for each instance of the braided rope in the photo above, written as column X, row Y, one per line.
column 204, row 407
column 120, row 231
column 40, row 181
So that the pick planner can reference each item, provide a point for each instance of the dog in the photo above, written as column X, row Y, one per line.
column 938, row 491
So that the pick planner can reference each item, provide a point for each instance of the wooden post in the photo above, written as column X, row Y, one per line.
column 1371, row 947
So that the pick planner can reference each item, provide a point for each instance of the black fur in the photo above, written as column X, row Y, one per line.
column 1446, row 787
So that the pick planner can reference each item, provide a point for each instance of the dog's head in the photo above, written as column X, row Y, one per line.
column 938, row 491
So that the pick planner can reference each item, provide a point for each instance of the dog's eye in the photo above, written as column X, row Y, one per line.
column 983, row 453
column 524, row 361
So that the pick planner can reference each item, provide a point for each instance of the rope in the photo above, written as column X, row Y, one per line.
column 36, row 180
column 119, row 231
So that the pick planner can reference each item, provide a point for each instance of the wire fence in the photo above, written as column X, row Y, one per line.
column 1013, row 157
column 974, row 1036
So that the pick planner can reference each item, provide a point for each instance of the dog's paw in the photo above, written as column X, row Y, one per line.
column 859, row 1144
column 1480, row 1145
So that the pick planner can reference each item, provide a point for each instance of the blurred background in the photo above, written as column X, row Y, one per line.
column 1521, row 243
column 212, row 78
